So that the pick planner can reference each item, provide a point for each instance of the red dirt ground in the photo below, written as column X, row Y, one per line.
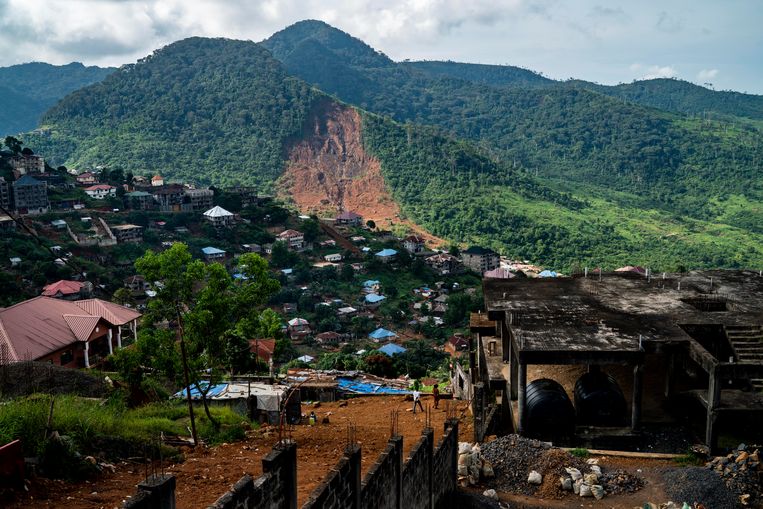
column 207, row 473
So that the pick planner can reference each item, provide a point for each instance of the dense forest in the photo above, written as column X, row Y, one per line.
column 560, row 176
column 207, row 110
column 28, row 90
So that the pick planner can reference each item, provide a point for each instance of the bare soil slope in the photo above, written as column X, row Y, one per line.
column 329, row 171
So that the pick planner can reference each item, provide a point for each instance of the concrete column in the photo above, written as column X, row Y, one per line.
column 638, row 383
column 514, row 373
column 472, row 360
column 713, row 402
column 670, row 374
column 119, row 337
column 161, row 489
column 354, row 456
column 135, row 330
column 109, row 335
column 522, row 397
column 87, row 357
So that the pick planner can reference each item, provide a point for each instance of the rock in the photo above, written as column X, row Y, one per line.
column 592, row 461
column 464, row 447
column 316, row 404
column 473, row 480
column 474, row 471
column 534, row 478
column 463, row 470
column 574, row 473
column 491, row 494
column 742, row 447
column 464, row 459
column 598, row 491
column 475, row 460
column 342, row 403
column 742, row 457
column 744, row 499
column 591, row 479
column 565, row 483
column 585, row 490
column 487, row 470
column 90, row 460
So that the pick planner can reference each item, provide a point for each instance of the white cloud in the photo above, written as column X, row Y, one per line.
column 651, row 72
column 707, row 74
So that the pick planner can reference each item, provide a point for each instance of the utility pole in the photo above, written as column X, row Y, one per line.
column 186, row 377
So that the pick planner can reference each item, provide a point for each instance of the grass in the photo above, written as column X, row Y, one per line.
column 86, row 420
column 690, row 459
column 580, row 452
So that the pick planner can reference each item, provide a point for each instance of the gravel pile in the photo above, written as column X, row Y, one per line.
column 512, row 458
column 618, row 482
column 741, row 472
column 700, row 485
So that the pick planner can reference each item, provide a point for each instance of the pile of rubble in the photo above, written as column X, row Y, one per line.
column 742, row 472
column 529, row 467
column 472, row 467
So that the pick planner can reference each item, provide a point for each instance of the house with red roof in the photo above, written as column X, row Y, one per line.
column 100, row 191
column 294, row 240
column 87, row 179
column 68, row 290
column 74, row 334
column 263, row 349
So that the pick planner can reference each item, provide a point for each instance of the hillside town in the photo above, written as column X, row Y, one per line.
column 337, row 323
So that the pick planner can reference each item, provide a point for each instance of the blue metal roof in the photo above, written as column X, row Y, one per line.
column 209, row 250
column 391, row 349
column 384, row 253
column 373, row 298
column 370, row 283
column 381, row 333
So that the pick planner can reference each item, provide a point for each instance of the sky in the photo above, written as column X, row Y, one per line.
column 714, row 42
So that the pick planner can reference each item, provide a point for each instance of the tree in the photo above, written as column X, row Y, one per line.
column 211, row 312
column 13, row 144
column 279, row 257
column 371, row 224
column 124, row 297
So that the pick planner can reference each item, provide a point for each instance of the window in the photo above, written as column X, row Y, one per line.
column 67, row 357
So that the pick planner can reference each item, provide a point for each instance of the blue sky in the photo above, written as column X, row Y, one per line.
column 718, row 42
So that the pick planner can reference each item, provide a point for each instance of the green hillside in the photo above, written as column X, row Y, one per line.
column 28, row 90
column 207, row 110
column 563, row 134
column 222, row 112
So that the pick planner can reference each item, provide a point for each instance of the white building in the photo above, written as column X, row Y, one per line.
column 219, row 217
column 101, row 191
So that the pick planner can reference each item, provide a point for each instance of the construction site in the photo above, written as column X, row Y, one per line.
column 621, row 361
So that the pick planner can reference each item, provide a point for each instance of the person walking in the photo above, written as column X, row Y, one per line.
column 417, row 400
column 436, row 394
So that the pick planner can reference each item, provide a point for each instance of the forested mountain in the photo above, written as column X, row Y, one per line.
column 500, row 167
column 572, row 136
column 207, row 110
column 28, row 90
column 672, row 95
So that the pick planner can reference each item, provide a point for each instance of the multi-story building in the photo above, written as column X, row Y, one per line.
column 128, row 233
column 87, row 179
column 196, row 200
column 480, row 259
column 25, row 164
column 219, row 217
column 294, row 240
column 170, row 197
column 5, row 194
column 101, row 191
column 30, row 196
column 414, row 244
column 140, row 200
column 348, row 218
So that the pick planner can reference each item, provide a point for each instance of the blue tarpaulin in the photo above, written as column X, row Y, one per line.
column 350, row 385
column 547, row 273
column 386, row 253
column 216, row 390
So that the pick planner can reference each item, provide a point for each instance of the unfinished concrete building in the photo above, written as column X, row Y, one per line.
column 688, row 343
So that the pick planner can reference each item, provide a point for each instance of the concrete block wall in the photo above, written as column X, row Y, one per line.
column 341, row 488
column 276, row 488
column 156, row 492
column 417, row 474
column 382, row 485
column 445, row 466
column 427, row 480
